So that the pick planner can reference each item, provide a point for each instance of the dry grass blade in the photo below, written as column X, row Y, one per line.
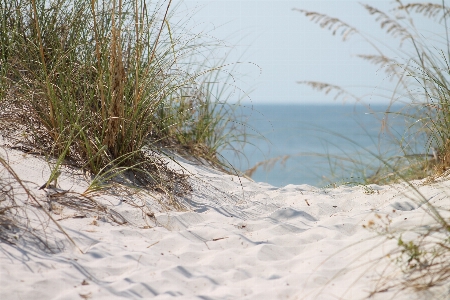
column 430, row 10
column 391, row 25
column 13, row 174
column 328, row 88
column 389, row 65
column 267, row 164
column 117, row 84
column 334, row 24
column 8, row 210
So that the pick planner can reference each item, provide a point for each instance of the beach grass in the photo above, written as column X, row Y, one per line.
column 420, row 69
column 105, row 85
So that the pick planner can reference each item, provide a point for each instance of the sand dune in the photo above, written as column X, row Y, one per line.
column 237, row 240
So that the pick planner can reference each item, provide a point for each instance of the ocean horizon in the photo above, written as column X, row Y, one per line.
column 309, row 143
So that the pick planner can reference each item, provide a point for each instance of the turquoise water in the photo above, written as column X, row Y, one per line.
column 310, row 134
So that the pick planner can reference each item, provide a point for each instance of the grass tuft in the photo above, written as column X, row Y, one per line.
column 420, row 68
column 104, row 85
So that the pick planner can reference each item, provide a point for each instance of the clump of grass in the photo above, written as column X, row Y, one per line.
column 420, row 68
column 97, row 82
column 420, row 71
column 205, row 124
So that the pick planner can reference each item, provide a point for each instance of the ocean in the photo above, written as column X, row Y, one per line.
column 320, row 142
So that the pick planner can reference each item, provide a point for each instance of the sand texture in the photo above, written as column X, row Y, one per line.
column 237, row 239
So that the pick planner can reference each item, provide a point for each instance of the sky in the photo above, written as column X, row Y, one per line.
column 276, row 47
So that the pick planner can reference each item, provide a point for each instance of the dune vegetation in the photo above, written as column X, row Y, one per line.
column 111, row 87
column 114, row 89
column 97, row 82
column 419, row 67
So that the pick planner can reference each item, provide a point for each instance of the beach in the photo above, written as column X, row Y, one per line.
column 234, row 239
column 134, row 155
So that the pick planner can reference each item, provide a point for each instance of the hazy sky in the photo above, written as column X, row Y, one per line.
column 288, row 47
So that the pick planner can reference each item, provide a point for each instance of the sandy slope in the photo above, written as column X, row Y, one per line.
column 238, row 240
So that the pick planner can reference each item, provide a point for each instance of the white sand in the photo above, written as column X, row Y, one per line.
column 238, row 240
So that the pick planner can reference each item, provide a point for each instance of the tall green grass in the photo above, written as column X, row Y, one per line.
column 95, row 82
